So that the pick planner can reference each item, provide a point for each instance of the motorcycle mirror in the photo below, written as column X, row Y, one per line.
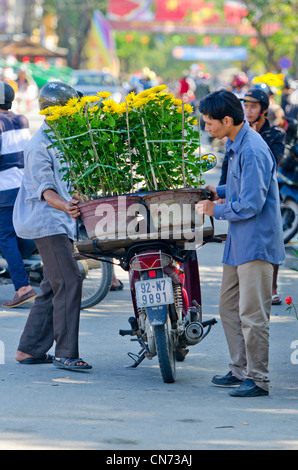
column 208, row 161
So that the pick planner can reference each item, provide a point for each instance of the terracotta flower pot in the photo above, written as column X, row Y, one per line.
column 174, row 209
column 107, row 218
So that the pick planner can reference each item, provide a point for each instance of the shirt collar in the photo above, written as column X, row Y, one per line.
column 234, row 146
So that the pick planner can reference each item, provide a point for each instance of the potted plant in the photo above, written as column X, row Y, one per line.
column 111, row 150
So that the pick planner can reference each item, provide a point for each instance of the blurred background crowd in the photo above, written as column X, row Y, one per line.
column 122, row 46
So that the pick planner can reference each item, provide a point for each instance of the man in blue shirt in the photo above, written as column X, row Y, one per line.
column 250, row 203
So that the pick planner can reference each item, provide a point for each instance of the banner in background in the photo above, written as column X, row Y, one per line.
column 187, row 16
column 101, row 48
column 209, row 53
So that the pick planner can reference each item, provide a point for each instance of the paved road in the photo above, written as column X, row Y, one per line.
column 113, row 408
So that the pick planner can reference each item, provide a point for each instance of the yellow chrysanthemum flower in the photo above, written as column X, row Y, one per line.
column 104, row 94
column 109, row 102
column 121, row 108
column 143, row 94
column 271, row 79
column 141, row 102
column 152, row 91
column 72, row 101
column 89, row 99
column 193, row 121
column 158, row 88
column 177, row 102
column 188, row 109
column 165, row 95
column 70, row 110
column 93, row 109
column 54, row 117
column 54, row 109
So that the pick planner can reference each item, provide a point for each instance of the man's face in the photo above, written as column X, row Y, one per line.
column 252, row 111
column 215, row 127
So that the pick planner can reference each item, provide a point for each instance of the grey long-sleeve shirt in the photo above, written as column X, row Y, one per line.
column 33, row 217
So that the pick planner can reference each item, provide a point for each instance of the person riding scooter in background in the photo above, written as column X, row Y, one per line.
column 256, row 104
column 14, row 136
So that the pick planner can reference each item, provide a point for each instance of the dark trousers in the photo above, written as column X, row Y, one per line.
column 55, row 314
column 13, row 249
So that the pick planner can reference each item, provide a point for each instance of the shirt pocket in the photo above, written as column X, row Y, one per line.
column 235, row 183
column 235, row 172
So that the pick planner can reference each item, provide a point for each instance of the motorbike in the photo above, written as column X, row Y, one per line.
column 96, row 275
column 288, row 188
column 166, row 296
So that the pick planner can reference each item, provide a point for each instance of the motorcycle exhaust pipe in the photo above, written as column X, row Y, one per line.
column 193, row 333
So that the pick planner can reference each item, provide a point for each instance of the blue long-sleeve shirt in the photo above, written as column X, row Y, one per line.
column 252, row 205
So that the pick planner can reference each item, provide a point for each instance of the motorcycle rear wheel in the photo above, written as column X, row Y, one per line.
column 289, row 212
column 165, row 353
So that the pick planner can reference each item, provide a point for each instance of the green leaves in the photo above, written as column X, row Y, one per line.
column 150, row 140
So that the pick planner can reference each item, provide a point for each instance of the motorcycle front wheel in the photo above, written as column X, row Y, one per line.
column 289, row 213
column 165, row 353
column 97, row 281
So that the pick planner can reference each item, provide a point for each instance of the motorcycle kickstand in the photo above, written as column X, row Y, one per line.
column 140, row 357
column 144, row 352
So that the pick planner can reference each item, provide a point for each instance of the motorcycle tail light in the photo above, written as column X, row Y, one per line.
column 150, row 261
column 152, row 274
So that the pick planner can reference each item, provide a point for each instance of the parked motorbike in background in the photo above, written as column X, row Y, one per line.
column 96, row 275
column 288, row 187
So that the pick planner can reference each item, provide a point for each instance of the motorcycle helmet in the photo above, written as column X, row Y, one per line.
column 263, row 86
column 7, row 95
column 240, row 80
column 56, row 94
column 257, row 95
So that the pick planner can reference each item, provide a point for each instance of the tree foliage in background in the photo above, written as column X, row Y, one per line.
column 285, row 41
column 74, row 20
column 154, row 50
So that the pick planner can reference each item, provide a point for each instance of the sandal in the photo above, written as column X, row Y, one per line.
column 69, row 363
column 46, row 359
column 116, row 288
column 276, row 300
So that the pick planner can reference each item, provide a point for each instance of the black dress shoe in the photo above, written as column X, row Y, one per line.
column 228, row 380
column 248, row 389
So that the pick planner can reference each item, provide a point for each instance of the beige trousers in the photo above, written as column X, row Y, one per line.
column 245, row 304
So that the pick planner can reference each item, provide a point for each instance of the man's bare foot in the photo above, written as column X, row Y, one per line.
column 20, row 356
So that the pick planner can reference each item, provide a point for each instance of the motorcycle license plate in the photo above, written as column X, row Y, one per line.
column 154, row 292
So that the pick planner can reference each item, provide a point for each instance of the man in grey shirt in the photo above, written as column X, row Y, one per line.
column 46, row 212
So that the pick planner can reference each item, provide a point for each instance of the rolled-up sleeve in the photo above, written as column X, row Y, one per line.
column 221, row 191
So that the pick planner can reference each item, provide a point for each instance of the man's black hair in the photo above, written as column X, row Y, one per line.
column 222, row 103
column 6, row 107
